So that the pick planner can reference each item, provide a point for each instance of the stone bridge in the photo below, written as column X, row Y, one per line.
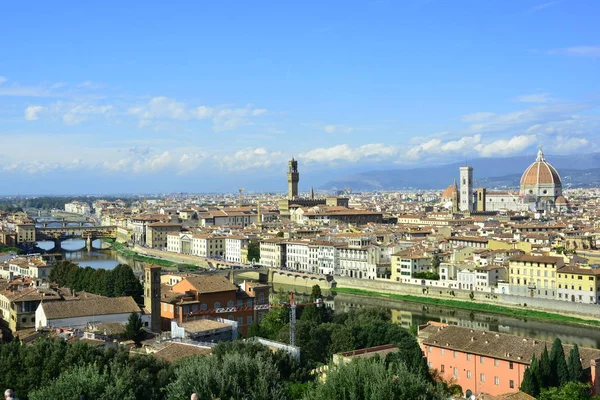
column 88, row 233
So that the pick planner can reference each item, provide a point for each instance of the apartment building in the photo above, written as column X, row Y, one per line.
column 273, row 253
column 208, row 245
column 156, row 234
column 534, row 276
column 179, row 242
column 579, row 284
column 233, row 247
column 25, row 233
column 298, row 256
column 406, row 263
column 489, row 362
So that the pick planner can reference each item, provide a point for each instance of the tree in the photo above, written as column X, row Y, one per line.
column 545, row 370
column 569, row 391
column 558, row 364
column 435, row 263
column 134, row 328
column 529, row 384
column 232, row 376
column 253, row 252
column 574, row 365
column 373, row 379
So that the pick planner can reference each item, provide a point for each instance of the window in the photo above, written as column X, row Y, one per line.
column 455, row 372
column 250, row 320
column 496, row 362
column 203, row 307
column 454, row 354
column 481, row 359
column 442, row 369
column 510, row 365
column 240, row 321
column 468, row 357
column 164, row 306
column 511, row 383
column 482, row 377
column 230, row 303
column 171, row 307
column 496, row 380
column 217, row 304
column 442, row 351
column 429, row 349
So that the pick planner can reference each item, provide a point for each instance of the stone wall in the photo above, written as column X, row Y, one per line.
column 521, row 302
column 299, row 279
column 174, row 257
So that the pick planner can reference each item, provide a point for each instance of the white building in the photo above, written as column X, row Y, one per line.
column 298, row 256
column 233, row 248
column 78, row 207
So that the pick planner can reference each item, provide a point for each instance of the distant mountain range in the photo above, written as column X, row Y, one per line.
column 581, row 170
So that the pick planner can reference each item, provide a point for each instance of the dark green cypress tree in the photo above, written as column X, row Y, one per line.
column 558, row 364
column 574, row 365
column 546, row 370
column 535, row 373
column 530, row 384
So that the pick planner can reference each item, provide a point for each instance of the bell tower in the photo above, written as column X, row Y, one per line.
column 152, row 295
column 293, row 177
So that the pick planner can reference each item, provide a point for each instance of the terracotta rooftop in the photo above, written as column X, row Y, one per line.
column 88, row 307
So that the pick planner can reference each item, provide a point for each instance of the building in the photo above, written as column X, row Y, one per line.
column 293, row 177
column 233, row 247
column 208, row 245
column 152, row 295
column 405, row 264
column 579, row 284
column 197, row 297
column 78, row 207
column 541, row 185
column 489, row 362
column 540, row 189
column 32, row 266
column 534, row 276
column 273, row 253
column 156, row 234
column 25, row 233
column 81, row 313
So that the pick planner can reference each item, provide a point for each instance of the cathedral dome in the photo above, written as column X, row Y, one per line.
column 540, row 173
column 561, row 200
column 448, row 193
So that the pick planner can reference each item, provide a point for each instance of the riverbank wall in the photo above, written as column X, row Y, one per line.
column 516, row 302
column 300, row 279
column 173, row 257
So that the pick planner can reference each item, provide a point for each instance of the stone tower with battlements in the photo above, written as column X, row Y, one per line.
column 293, row 177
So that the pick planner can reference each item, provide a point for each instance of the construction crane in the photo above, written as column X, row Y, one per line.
column 291, row 304
column 240, row 196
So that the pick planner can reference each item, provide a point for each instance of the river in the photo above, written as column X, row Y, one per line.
column 405, row 313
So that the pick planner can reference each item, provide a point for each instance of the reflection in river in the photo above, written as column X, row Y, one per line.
column 98, row 257
column 408, row 314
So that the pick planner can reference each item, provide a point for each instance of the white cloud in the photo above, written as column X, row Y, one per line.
column 249, row 159
column 478, row 116
column 337, row 129
column 522, row 118
column 534, row 98
column 90, row 85
column 540, row 7
column 31, row 112
column 82, row 112
column 565, row 144
column 3, row 79
column 578, row 51
column 223, row 118
column 343, row 152
column 463, row 145
column 504, row 147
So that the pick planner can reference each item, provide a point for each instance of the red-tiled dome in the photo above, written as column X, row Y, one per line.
column 540, row 173
column 561, row 200
column 448, row 193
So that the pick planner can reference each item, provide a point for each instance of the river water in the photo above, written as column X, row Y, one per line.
column 405, row 313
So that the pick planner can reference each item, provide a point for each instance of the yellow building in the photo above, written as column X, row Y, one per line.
column 156, row 234
column 534, row 276
column 504, row 245
column 25, row 233
column 579, row 284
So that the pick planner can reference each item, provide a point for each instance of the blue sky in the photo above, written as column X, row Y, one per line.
column 199, row 96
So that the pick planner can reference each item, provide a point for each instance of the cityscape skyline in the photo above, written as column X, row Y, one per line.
column 92, row 102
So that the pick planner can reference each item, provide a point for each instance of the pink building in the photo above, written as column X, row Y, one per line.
column 489, row 362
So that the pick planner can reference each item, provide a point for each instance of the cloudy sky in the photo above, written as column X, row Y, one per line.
column 201, row 96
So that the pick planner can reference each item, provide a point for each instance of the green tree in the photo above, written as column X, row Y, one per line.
column 232, row 376
column 374, row 380
column 530, row 384
column 545, row 370
column 569, row 391
column 558, row 364
column 435, row 263
column 253, row 252
column 574, row 365
column 134, row 328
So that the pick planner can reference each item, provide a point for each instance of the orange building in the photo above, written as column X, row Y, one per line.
column 195, row 297
column 489, row 362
